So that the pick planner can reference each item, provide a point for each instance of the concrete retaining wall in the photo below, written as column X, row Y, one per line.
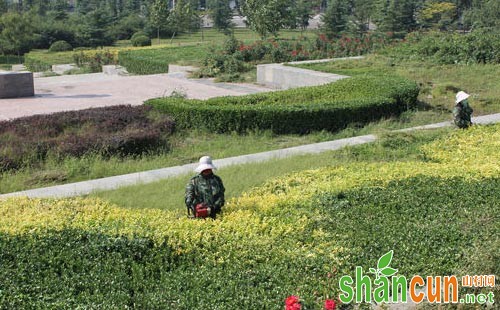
column 16, row 84
column 282, row 77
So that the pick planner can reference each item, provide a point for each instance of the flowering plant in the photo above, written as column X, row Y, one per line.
column 330, row 304
column 292, row 303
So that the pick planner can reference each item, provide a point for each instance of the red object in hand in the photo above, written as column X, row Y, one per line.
column 330, row 304
column 201, row 210
column 292, row 303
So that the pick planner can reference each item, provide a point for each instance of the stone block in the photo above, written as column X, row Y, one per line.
column 16, row 84
column 18, row 68
column 61, row 69
column 114, row 70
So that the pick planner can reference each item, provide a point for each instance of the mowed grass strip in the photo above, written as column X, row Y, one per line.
column 169, row 194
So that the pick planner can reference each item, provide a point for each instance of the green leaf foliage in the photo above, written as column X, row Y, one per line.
column 301, row 110
column 79, row 268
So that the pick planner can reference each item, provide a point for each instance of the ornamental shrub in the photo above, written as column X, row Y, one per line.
column 60, row 46
column 328, row 107
column 445, row 48
column 141, row 41
column 138, row 34
column 93, row 60
column 111, row 131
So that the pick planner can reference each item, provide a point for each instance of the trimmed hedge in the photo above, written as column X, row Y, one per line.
column 156, row 60
column 35, row 64
column 328, row 107
column 60, row 46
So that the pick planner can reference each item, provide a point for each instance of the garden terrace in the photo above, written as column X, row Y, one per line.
column 328, row 107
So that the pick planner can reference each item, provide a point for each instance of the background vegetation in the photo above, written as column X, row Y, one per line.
column 25, row 25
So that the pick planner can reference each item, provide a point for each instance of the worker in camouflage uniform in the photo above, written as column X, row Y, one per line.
column 462, row 111
column 205, row 191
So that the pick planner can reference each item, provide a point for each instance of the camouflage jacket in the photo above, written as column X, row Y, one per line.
column 462, row 114
column 208, row 189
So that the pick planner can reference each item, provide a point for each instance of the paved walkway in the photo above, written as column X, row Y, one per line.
column 87, row 187
column 76, row 92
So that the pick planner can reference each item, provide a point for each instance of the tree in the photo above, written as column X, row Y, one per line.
column 437, row 15
column 396, row 15
column 94, row 29
column 266, row 16
column 184, row 16
column 158, row 15
column 302, row 11
column 362, row 13
column 483, row 14
column 336, row 17
column 4, row 6
column 221, row 14
column 16, row 35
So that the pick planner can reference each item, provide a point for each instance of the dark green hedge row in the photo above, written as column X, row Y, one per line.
column 328, row 107
column 155, row 61
column 35, row 64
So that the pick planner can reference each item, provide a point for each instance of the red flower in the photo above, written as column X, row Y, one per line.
column 330, row 304
column 292, row 303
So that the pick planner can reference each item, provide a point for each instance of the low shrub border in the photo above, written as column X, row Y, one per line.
column 328, row 107
column 110, row 131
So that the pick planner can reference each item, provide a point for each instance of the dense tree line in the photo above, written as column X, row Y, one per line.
column 27, row 24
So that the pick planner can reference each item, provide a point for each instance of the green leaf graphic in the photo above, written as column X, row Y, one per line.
column 385, row 260
column 389, row 271
column 372, row 270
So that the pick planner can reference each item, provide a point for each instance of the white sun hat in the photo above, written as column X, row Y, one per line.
column 461, row 95
column 205, row 163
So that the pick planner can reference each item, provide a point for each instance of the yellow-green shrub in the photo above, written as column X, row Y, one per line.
column 295, row 235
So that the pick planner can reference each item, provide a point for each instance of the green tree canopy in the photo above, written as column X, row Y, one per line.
column 221, row 14
column 266, row 16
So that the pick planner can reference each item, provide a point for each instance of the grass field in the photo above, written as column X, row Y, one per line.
column 211, row 37
column 438, row 83
column 186, row 147
column 214, row 36
column 168, row 194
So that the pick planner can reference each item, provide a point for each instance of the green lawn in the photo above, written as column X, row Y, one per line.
column 214, row 36
column 168, row 194
column 439, row 83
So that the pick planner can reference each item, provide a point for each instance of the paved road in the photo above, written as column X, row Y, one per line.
column 86, row 187
column 76, row 92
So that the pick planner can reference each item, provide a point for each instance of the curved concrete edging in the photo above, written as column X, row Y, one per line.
column 280, row 76
column 110, row 183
